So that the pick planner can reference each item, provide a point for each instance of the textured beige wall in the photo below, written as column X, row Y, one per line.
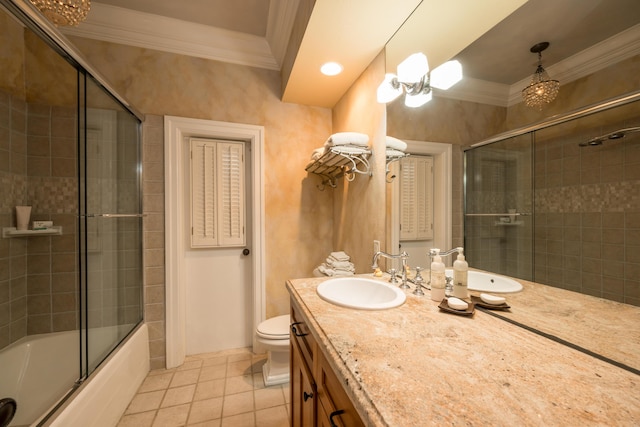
column 298, row 216
column 11, row 56
column 359, row 206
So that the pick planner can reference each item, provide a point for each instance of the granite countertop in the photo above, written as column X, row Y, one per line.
column 416, row 365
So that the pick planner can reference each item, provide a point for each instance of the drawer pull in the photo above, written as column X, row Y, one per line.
column 295, row 330
column 306, row 396
column 335, row 414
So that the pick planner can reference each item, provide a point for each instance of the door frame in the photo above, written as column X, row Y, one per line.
column 176, row 131
column 442, row 193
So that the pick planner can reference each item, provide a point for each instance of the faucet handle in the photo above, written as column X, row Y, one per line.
column 418, row 281
column 394, row 276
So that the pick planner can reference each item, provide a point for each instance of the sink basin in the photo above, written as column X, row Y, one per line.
column 489, row 282
column 361, row 293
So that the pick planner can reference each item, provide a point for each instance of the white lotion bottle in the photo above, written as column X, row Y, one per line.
column 438, row 280
column 460, row 277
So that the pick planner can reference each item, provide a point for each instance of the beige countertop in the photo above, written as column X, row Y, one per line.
column 416, row 365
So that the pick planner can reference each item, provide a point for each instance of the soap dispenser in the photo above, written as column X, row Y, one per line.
column 460, row 276
column 438, row 279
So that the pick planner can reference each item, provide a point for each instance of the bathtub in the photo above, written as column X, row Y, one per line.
column 38, row 370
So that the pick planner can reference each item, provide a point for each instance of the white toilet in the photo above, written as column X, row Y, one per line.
column 273, row 336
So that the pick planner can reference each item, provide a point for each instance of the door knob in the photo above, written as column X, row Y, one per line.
column 246, row 251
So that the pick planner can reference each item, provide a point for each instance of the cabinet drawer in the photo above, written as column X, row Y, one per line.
column 301, row 335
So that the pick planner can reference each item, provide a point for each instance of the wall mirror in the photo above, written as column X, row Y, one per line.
column 578, row 246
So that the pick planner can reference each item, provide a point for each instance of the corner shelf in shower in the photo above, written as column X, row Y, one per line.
column 8, row 232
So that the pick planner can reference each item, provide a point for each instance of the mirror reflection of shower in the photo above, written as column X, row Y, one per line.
column 599, row 140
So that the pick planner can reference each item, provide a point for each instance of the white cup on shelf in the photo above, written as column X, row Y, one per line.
column 23, row 215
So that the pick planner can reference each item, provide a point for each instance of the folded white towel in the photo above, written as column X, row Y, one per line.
column 348, row 138
column 394, row 153
column 327, row 271
column 317, row 153
column 340, row 265
column 396, row 143
column 340, row 256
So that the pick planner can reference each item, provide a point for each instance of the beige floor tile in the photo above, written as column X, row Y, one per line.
column 242, row 420
column 175, row 416
column 286, row 391
column 145, row 402
column 209, row 389
column 178, row 396
column 258, row 381
column 190, row 364
column 240, row 354
column 213, row 372
column 156, row 382
column 205, row 410
column 239, row 367
column 143, row 419
column 268, row 397
column 237, row 404
column 239, row 384
column 160, row 371
column 181, row 378
column 272, row 417
column 210, row 423
column 214, row 361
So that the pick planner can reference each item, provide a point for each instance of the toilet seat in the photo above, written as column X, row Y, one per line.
column 275, row 328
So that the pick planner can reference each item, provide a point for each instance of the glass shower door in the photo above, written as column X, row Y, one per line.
column 498, row 207
column 112, row 225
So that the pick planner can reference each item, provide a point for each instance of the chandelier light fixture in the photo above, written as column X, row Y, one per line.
column 415, row 79
column 64, row 12
column 542, row 89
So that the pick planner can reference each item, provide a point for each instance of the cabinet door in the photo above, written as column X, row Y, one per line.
column 303, row 391
column 334, row 405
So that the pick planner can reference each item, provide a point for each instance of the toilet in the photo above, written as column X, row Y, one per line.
column 273, row 336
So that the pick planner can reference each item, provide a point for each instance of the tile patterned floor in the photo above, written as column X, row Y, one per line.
column 210, row 390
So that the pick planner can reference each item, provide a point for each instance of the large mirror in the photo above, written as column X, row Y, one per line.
column 588, row 247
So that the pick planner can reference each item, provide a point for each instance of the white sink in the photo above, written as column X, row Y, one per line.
column 489, row 282
column 361, row 293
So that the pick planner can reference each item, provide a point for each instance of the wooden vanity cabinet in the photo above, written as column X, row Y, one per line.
column 317, row 396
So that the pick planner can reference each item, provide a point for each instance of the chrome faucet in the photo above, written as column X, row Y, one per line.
column 402, row 256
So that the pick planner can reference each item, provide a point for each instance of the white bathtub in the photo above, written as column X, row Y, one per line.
column 38, row 370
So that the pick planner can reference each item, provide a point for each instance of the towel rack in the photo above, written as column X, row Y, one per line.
column 396, row 156
column 335, row 163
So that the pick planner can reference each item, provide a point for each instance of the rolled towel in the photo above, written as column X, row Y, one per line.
column 348, row 138
column 340, row 256
column 396, row 144
column 317, row 153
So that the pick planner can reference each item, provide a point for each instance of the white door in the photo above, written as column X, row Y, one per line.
column 219, row 292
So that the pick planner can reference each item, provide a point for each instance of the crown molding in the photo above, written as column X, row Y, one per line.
column 129, row 27
column 595, row 58
column 282, row 14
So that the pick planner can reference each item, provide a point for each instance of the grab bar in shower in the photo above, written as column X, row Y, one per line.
column 110, row 215
column 499, row 214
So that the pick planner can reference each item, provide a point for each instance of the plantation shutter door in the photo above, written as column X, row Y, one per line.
column 217, row 193
column 407, row 199
column 424, row 198
column 231, row 194
column 416, row 198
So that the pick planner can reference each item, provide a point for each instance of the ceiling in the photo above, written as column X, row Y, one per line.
column 257, row 32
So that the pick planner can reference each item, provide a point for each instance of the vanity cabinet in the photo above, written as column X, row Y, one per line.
column 317, row 396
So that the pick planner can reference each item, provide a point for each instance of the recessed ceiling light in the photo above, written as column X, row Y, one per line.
column 331, row 68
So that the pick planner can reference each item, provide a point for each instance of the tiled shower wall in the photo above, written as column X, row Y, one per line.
column 37, row 274
column 587, row 222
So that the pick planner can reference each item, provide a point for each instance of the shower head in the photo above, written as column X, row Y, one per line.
column 620, row 133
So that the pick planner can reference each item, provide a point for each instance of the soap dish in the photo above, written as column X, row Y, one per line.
column 478, row 301
column 444, row 306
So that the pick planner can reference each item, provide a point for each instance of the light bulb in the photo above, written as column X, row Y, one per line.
column 412, row 69
column 417, row 100
column 446, row 75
